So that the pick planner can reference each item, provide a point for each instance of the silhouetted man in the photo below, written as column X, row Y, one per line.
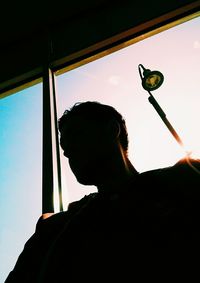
column 136, row 227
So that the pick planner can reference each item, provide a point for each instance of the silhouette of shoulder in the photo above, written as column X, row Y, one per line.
column 48, row 230
column 172, row 195
column 181, row 177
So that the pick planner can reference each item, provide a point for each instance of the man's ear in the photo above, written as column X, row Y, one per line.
column 113, row 128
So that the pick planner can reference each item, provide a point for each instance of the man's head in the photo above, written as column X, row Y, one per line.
column 90, row 133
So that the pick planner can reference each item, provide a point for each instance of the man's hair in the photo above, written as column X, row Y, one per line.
column 96, row 111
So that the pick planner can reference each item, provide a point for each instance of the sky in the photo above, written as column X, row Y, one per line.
column 20, row 172
column 113, row 80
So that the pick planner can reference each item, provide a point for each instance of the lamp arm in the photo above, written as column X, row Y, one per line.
column 162, row 114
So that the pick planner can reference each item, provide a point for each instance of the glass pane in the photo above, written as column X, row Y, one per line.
column 20, row 172
column 115, row 80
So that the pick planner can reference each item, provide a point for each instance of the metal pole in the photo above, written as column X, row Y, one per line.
column 47, row 158
column 162, row 114
column 57, row 143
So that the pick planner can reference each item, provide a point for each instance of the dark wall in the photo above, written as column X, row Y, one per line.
column 64, row 34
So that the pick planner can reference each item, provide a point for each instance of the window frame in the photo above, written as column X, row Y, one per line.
column 51, row 68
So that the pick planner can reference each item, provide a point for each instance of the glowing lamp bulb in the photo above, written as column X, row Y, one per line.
column 151, row 80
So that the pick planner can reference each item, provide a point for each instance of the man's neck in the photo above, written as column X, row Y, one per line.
column 120, row 175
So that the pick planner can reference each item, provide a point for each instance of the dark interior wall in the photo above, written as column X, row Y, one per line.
column 55, row 34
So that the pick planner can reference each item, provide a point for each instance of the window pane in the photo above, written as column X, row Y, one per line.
column 20, row 172
column 115, row 80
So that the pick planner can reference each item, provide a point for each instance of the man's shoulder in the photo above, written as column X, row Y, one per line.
column 182, row 178
column 55, row 221
column 184, row 169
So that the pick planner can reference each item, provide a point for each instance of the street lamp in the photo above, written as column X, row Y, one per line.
column 152, row 80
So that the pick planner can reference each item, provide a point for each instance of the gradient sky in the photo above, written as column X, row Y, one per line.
column 113, row 80
column 20, row 172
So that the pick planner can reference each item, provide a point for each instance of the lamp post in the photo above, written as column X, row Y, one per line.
column 152, row 80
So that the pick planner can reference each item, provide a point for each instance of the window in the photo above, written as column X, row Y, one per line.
column 115, row 80
column 20, row 172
